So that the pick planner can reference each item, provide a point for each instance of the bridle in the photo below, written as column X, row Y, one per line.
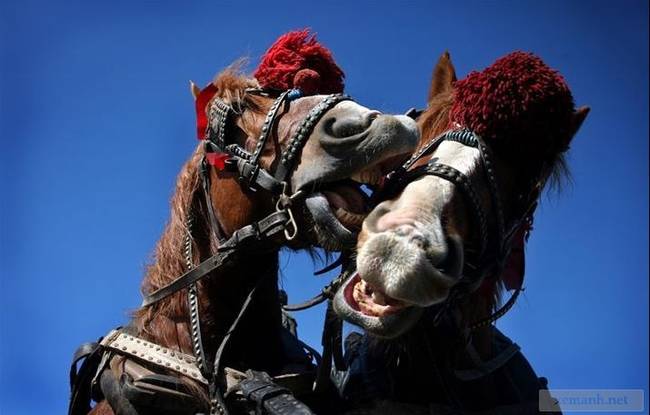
column 256, row 235
column 485, row 261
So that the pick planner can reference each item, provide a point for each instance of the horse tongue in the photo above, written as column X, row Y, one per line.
column 345, row 197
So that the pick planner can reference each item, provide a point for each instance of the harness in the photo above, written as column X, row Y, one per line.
column 92, row 381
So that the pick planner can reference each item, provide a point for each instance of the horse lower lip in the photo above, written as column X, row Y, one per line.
column 349, row 219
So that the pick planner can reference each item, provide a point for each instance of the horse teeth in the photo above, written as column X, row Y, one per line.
column 368, row 176
column 378, row 298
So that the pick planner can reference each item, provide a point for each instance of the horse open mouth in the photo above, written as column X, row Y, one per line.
column 340, row 207
column 369, row 300
column 364, row 305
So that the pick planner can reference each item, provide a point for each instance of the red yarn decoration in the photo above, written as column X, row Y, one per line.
column 516, row 99
column 297, row 60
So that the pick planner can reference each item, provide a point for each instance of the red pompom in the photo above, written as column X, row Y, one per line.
column 308, row 81
column 297, row 60
column 517, row 98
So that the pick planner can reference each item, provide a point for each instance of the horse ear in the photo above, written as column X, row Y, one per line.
column 195, row 90
column 578, row 118
column 443, row 77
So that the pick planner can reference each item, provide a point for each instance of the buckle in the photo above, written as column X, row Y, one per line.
column 248, row 174
column 284, row 204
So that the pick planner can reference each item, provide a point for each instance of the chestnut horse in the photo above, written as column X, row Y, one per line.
column 434, row 258
column 343, row 141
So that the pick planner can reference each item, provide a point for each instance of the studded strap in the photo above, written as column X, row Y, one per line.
column 303, row 132
column 267, row 127
column 461, row 180
column 218, row 115
column 126, row 344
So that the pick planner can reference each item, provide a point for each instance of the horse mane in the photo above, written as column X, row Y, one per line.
column 169, row 259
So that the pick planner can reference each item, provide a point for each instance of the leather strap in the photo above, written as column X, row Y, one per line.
column 256, row 231
column 82, row 352
column 253, row 176
column 215, row 226
column 81, row 378
column 152, row 353
column 293, row 150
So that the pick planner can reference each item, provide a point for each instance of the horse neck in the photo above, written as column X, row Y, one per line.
column 256, row 342
column 221, row 294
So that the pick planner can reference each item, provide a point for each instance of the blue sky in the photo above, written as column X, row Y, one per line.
column 96, row 120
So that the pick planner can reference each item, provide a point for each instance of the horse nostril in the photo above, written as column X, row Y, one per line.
column 452, row 263
column 403, row 230
column 371, row 116
column 419, row 240
column 347, row 126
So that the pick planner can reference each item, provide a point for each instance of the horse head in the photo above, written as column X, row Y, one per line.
column 281, row 161
column 347, row 140
column 452, row 230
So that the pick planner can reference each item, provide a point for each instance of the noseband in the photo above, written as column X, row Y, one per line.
column 484, row 260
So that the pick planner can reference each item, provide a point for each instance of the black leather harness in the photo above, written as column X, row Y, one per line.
column 91, row 381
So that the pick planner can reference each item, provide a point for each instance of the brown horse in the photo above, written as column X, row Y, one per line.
column 433, row 259
column 344, row 141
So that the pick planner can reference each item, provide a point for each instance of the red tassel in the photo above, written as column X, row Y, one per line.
column 201, row 105
column 218, row 160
